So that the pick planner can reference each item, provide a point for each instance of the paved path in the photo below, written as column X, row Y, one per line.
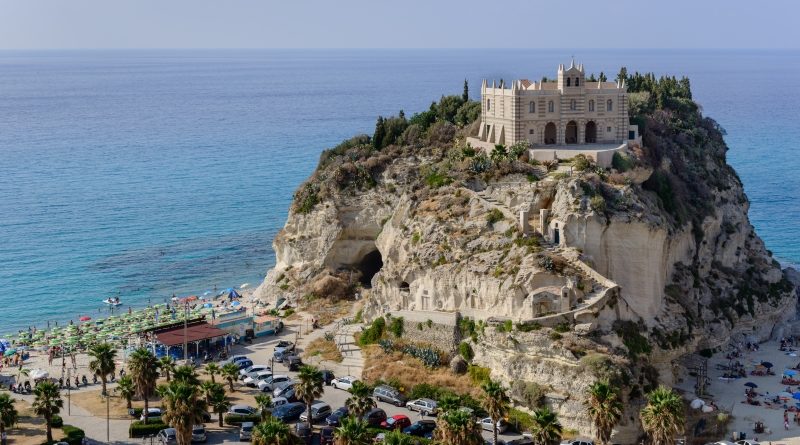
column 352, row 362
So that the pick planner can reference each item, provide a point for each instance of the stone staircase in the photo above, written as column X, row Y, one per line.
column 495, row 204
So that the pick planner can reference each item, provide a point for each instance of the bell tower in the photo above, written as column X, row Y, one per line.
column 571, row 80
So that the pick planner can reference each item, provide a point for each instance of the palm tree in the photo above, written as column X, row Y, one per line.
column 546, row 428
column 102, row 364
column 166, row 365
column 212, row 369
column 604, row 408
column 264, row 402
column 8, row 413
column 456, row 427
column 207, row 388
column 126, row 388
column 309, row 386
column 47, row 403
column 186, row 374
column 495, row 403
column 663, row 416
column 230, row 372
column 182, row 408
column 219, row 401
column 352, row 431
column 143, row 367
column 273, row 432
column 396, row 437
column 360, row 400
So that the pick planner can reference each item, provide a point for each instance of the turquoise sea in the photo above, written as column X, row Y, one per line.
column 148, row 173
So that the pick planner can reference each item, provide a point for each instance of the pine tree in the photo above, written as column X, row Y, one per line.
column 623, row 74
column 603, row 77
column 465, row 95
column 592, row 78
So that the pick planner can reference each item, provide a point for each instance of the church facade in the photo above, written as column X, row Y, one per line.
column 566, row 111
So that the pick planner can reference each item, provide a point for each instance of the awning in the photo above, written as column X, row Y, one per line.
column 202, row 331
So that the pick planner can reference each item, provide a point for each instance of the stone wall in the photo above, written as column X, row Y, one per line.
column 439, row 329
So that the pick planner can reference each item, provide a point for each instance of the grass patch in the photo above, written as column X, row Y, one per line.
column 324, row 349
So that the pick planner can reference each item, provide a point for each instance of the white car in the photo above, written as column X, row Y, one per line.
column 278, row 401
column 234, row 359
column 344, row 383
column 578, row 441
column 486, row 424
column 426, row 407
column 253, row 379
column 242, row 410
column 269, row 383
column 747, row 442
column 246, row 432
column 252, row 370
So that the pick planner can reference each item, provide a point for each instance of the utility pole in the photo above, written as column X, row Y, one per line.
column 185, row 329
column 69, row 398
column 108, row 421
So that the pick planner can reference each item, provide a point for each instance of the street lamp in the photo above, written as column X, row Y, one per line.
column 185, row 328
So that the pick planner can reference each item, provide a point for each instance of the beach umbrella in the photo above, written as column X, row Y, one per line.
column 785, row 395
column 10, row 352
column 751, row 385
column 766, row 364
column 85, row 318
column 796, row 395
column 790, row 372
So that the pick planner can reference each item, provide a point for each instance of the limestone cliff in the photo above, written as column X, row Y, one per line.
column 641, row 263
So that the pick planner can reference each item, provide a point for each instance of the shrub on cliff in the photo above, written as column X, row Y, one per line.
column 373, row 333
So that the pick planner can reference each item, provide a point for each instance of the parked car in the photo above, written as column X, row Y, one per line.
column 335, row 417
column 289, row 412
column 426, row 407
column 244, row 364
column 167, row 436
column 269, row 383
column 397, row 421
column 282, row 349
column 279, row 401
column 577, row 441
column 152, row 413
column 486, row 423
column 374, row 417
column 326, row 435
column 246, row 431
column 385, row 393
column 524, row 440
column 421, row 428
column 253, row 379
column 286, row 389
column 345, row 382
column 747, row 442
column 234, row 359
column 253, row 370
column 199, row 433
column 327, row 376
column 293, row 362
column 319, row 411
column 303, row 431
column 242, row 410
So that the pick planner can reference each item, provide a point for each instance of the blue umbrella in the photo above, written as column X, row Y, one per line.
column 751, row 385
column 766, row 364
column 790, row 372
column 796, row 395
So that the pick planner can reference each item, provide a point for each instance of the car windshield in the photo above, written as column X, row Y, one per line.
column 247, row 429
column 198, row 429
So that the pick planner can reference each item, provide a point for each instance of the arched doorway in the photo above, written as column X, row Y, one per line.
column 571, row 135
column 369, row 266
column 591, row 132
column 550, row 133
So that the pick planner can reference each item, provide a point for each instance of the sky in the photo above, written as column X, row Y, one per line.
column 86, row 24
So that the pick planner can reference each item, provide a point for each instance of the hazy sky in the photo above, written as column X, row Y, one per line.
column 27, row 24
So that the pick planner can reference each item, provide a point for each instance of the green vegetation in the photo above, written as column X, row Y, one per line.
column 598, row 204
column 478, row 375
column 621, row 162
column 630, row 333
column 531, row 394
column 141, row 429
column 396, row 326
column 664, row 416
column 373, row 333
column 465, row 350
column 494, row 216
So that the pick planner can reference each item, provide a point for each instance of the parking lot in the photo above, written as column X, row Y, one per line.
column 261, row 354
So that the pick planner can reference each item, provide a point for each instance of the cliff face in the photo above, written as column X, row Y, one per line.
column 657, row 252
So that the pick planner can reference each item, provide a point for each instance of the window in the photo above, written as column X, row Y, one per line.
column 568, row 79
column 591, row 105
column 573, row 104
column 577, row 81
column 531, row 131
column 550, row 107
column 608, row 129
column 488, row 104
column 532, row 107
column 609, row 105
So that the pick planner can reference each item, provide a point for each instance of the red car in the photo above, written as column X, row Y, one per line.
column 397, row 421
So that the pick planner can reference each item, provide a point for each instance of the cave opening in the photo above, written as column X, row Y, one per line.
column 369, row 266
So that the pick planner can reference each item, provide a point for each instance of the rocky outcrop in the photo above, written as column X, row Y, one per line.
column 642, row 263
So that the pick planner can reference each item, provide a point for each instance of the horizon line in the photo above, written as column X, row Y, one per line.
column 402, row 49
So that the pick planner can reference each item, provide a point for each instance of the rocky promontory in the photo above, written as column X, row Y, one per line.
column 655, row 257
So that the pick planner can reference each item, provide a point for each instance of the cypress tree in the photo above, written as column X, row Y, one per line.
column 380, row 133
column 465, row 95
column 603, row 77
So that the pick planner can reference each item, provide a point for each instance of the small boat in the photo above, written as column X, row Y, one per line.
column 112, row 301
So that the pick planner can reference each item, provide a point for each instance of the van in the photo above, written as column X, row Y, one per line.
column 384, row 393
